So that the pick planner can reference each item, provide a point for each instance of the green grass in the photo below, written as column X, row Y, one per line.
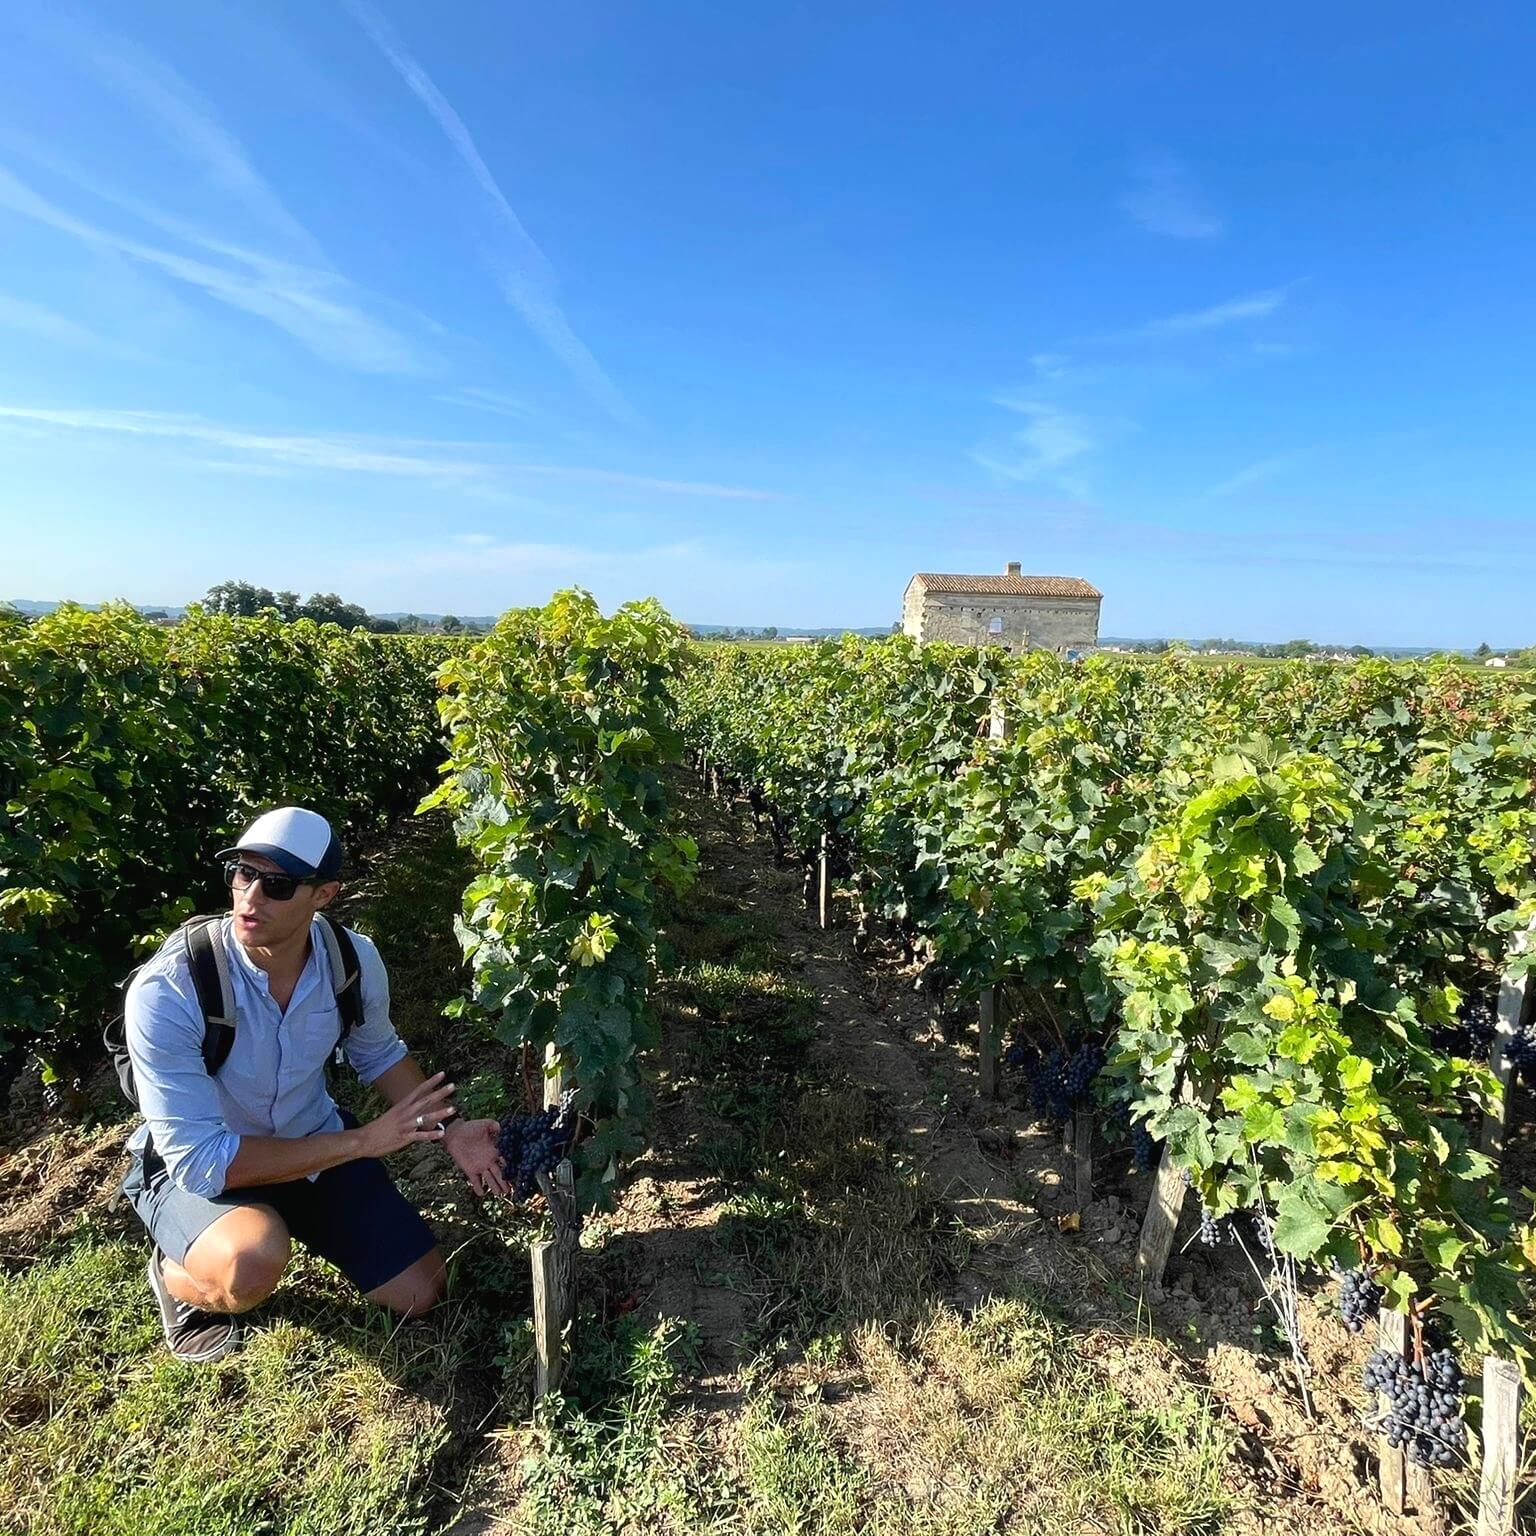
column 1001, row 1421
column 320, row 1424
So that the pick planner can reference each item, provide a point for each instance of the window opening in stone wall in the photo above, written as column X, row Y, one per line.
column 995, row 624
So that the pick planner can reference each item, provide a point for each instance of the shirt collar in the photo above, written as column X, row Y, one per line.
column 258, row 977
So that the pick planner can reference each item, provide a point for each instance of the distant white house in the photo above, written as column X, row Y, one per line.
column 1497, row 661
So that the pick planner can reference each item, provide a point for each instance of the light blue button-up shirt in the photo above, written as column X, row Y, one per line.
column 273, row 1081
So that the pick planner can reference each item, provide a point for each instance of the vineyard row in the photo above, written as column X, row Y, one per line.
column 1246, row 909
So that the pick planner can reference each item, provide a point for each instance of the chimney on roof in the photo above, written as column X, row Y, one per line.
column 1013, row 568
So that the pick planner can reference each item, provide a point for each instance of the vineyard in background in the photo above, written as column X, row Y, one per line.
column 1260, row 899
column 130, row 752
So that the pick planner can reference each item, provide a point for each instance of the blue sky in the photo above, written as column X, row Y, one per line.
column 761, row 309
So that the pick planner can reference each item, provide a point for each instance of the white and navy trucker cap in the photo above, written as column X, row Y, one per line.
column 298, row 841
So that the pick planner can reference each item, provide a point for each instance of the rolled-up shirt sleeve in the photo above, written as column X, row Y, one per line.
column 163, row 1027
column 373, row 1047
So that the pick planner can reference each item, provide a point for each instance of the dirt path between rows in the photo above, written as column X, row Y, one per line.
column 1002, row 1174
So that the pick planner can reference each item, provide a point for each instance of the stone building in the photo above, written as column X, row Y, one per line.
column 1055, row 613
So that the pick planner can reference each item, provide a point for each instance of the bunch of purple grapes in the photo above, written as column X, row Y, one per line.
column 1059, row 1080
column 1423, row 1414
column 1522, row 1051
column 1477, row 1021
column 533, row 1144
column 1145, row 1147
column 1359, row 1299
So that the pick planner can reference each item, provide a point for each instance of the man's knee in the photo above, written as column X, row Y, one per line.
column 414, row 1290
column 240, row 1258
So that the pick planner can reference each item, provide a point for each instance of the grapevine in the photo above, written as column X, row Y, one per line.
column 1472, row 1034
column 561, row 723
column 130, row 752
column 1059, row 1080
column 1522, row 1051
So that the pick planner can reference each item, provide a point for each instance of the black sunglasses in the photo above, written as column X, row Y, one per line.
column 274, row 884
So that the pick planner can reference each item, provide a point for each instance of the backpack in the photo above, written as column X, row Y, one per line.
column 216, row 998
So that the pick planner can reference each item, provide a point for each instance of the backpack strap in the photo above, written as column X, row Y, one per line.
column 346, row 974
column 209, row 964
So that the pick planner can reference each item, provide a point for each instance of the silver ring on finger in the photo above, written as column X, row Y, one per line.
column 421, row 1123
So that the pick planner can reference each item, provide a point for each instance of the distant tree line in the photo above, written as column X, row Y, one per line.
column 1288, row 648
column 770, row 632
column 242, row 600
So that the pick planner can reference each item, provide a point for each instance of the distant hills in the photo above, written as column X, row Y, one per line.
column 31, row 608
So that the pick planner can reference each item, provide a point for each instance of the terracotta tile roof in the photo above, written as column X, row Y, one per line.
column 1009, row 586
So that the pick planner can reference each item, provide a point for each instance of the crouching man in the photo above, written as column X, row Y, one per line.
column 242, row 1150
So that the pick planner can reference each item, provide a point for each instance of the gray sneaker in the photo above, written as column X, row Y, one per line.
column 191, row 1334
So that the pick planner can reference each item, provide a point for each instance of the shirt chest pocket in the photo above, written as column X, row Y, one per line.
column 320, row 1030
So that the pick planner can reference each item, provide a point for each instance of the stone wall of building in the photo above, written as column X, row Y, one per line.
column 912, row 611
column 1045, row 623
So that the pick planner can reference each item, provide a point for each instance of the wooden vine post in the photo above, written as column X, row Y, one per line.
column 1161, row 1222
column 1405, row 1486
column 554, row 1261
column 986, row 1044
column 1164, row 1207
column 554, row 1078
column 1501, row 1447
column 1077, row 1140
column 1513, row 995
column 554, row 1280
column 822, row 890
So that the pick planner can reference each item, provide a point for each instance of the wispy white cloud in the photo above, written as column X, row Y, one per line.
column 491, row 400
column 189, row 125
column 36, row 320
column 1047, row 449
column 1164, row 199
column 470, row 465
column 313, row 305
column 300, row 451
column 1253, row 474
column 475, row 539
column 646, row 482
column 524, row 273
column 1252, row 306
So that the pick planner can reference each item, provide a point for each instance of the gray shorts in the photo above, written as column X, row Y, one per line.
column 351, row 1214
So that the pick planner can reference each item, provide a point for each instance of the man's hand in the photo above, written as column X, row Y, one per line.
column 418, row 1116
column 472, row 1145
